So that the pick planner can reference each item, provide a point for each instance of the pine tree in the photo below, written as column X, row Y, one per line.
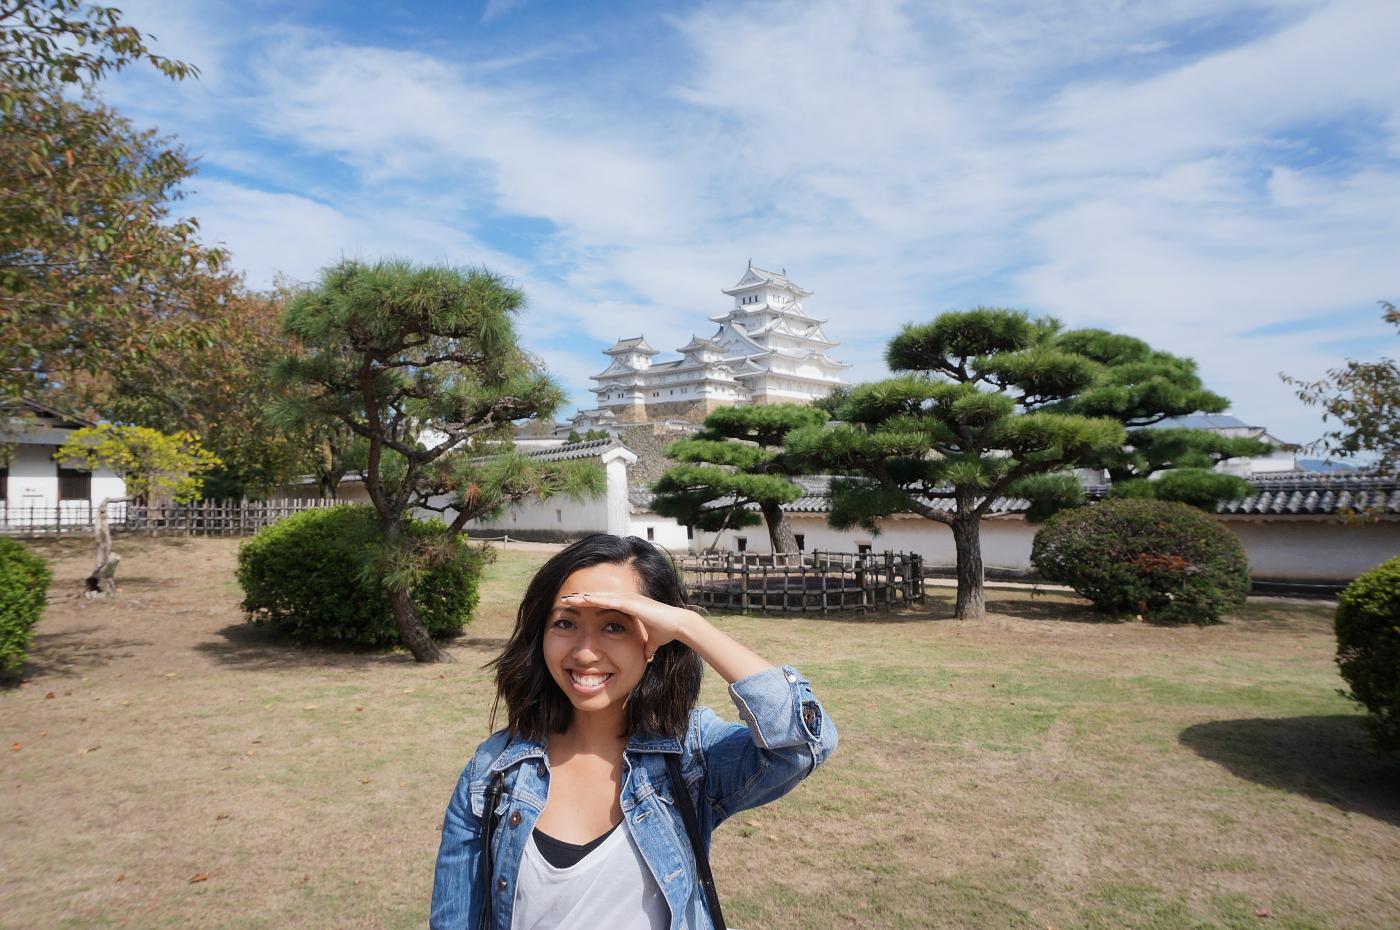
column 968, row 423
column 736, row 463
column 423, row 364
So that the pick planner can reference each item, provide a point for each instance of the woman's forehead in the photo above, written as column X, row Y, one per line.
column 609, row 577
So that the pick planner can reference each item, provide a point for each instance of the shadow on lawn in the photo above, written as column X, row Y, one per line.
column 1329, row 759
column 70, row 653
column 1046, row 608
column 246, row 646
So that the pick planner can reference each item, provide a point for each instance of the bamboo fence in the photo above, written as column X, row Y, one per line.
column 817, row 582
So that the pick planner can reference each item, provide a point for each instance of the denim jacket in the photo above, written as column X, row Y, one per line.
column 727, row 768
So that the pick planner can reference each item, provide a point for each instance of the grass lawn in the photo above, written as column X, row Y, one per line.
column 165, row 765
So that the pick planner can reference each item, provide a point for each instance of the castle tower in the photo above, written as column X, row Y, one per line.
column 777, row 351
column 767, row 350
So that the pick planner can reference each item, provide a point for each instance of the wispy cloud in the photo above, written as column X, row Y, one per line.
column 1190, row 172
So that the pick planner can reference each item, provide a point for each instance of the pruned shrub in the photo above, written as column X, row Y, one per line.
column 24, row 588
column 317, row 577
column 1160, row 560
column 1368, row 648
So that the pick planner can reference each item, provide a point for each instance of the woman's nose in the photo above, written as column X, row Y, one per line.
column 585, row 648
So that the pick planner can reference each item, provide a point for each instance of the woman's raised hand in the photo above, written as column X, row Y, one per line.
column 658, row 623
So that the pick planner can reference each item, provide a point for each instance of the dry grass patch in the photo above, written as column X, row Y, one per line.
column 1040, row 769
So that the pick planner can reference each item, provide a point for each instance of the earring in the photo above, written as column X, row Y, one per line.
column 651, row 657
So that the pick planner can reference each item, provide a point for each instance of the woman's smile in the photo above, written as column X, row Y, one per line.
column 596, row 655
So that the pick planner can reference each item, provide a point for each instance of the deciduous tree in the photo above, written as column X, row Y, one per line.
column 93, row 268
column 154, row 465
column 1363, row 399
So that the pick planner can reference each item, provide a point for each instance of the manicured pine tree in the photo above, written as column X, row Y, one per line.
column 423, row 364
column 736, row 463
column 1141, row 387
column 964, row 426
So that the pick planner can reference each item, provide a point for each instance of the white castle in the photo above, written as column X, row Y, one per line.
column 767, row 350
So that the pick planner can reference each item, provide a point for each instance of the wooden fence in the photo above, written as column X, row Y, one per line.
column 805, row 582
column 204, row 518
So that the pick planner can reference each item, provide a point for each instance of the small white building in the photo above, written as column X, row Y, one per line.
column 35, row 490
column 767, row 350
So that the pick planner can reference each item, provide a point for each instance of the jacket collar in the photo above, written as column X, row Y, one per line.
column 520, row 749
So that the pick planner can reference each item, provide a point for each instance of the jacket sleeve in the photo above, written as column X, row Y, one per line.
column 457, row 895
column 785, row 735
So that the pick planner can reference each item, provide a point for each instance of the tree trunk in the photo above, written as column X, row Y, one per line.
column 780, row 535
column 967, row 537
column 103, row 582
column 412, row 633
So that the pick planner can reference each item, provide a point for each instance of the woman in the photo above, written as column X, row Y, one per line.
column 599, row 680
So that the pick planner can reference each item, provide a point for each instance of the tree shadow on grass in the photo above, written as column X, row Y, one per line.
column 1326, row 758
column 1046, row 608
column 254, row 648
column 246, row 646
column 71, row 653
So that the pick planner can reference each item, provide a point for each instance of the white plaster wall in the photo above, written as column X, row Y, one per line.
column 1314, row 549
column 558, row 515
column 1320, row 549
column 666, row 533
column 1006, row 541
column 33, row 476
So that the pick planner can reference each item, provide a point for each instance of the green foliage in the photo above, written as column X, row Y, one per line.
column 1363, row 398
column 24, row 586
column 1161, row 560
column 58, row 42
column 395, row 352
column 152, row 462
column 736, row 462
column 1153, row 450
column 1048, row 494
column 1368, row 648
column 322, row 576
column 1198, row 487
column 423, row 364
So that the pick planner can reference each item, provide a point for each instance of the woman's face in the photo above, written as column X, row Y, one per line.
column 596, row 656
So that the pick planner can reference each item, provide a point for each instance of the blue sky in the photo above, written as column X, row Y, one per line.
column 1221, row 179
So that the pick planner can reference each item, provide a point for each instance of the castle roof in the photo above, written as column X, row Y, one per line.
column 636, row 344
column 758, row 277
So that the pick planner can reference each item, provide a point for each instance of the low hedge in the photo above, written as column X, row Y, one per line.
column 1368, row 648
column 24, row 588
column 316, row 578
column 1160, row 560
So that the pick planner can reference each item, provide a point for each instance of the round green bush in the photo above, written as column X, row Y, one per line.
column 24, row 588
column 316, row 577
column 1161, row 560
column 1368, row 648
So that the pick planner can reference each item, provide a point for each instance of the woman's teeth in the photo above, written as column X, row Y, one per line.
column 589, row 681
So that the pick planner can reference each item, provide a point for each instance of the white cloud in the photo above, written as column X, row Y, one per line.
column 1146, row 168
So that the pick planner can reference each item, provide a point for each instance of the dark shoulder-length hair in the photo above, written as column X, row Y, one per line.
column 661, row 702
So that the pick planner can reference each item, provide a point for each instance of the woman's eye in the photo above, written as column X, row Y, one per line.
column 615, row 628
column 563, row 623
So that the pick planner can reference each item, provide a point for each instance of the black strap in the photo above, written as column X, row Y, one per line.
column 681, row 794
column 488, row 877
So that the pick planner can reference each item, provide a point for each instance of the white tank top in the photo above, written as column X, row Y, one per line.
column 611, row 887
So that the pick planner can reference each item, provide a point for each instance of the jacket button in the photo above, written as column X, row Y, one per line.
column 542, row 769
column 500, row 884
column 515, row 818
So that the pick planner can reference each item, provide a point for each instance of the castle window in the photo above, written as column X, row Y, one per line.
column 801, row 541
column 651, row 534
column 741, row 543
